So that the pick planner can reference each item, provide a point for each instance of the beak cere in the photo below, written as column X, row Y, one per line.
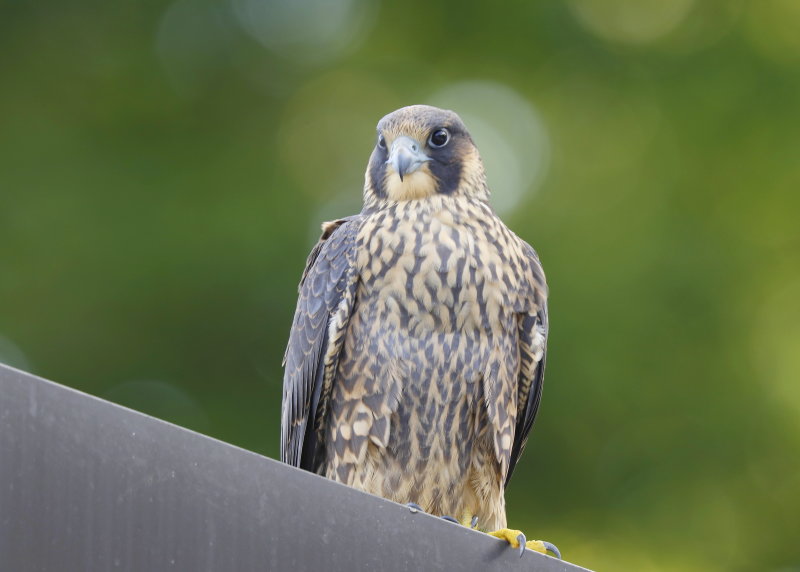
column 405, row 156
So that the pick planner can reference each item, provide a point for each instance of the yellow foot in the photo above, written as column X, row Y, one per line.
column 517, row 540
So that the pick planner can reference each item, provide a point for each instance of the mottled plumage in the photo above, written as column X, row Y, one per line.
column 414, row 367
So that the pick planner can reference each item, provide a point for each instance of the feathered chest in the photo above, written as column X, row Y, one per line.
column 438, row 269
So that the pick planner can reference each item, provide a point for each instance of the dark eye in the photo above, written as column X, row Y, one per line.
column 381, row 141
column 439, row 138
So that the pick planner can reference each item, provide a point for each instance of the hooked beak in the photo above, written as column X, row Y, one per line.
column 405, row 156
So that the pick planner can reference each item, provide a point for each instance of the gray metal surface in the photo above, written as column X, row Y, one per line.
column 88, row 485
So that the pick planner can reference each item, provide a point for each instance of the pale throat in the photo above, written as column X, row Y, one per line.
column 417, row 185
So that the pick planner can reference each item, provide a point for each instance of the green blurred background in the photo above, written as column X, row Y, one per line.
column 164, row 167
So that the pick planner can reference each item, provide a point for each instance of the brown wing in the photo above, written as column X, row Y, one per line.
column 533, row 351
column 326, row 299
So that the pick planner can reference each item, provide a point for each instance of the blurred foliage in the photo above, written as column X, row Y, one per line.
column 164, row 168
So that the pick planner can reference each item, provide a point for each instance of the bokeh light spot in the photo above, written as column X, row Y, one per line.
column 509, row 132
column 307, row 31
column 705, row 25
column 776, row 340
column 631, row 21
column 773, row 28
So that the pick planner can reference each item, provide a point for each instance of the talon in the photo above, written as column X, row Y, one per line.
column 550, row 547
column 474, row 522
column 522, row 541
column 449, row 519
column 414, row 507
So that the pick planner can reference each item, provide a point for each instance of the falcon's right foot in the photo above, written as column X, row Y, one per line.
column 516, row 539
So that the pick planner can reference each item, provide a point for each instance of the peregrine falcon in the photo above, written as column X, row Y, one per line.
column 415, row 362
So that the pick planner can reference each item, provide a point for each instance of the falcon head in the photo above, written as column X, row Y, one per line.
column 422, row 151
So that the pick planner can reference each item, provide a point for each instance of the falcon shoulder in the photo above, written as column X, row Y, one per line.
column 532, row 330
column 326, row 298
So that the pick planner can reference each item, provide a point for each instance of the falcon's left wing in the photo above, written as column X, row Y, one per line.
column 327, row 294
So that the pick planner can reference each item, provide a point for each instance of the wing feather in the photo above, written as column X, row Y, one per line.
column 533, row 329
column 325, row 302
